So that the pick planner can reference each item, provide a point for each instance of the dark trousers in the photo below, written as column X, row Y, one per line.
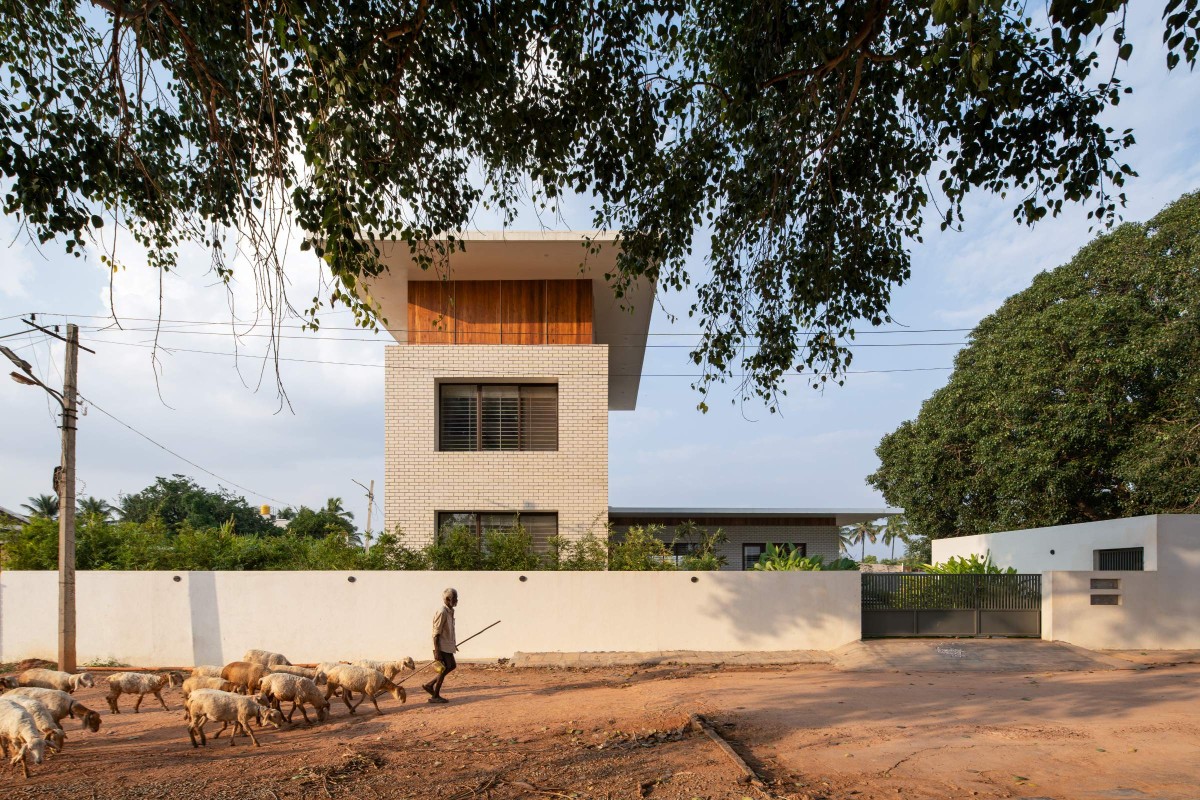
column 450, row 664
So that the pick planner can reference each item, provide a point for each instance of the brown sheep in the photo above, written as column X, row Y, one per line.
column 244, row 675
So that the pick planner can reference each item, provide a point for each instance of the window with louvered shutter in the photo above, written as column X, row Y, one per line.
column 540, row 526
column 498, row 417
column 459, row 421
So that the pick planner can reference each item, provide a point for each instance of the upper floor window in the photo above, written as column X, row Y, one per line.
column 497, row 417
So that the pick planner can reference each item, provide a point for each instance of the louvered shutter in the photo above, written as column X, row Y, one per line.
column 539, row 418
column 459, row 417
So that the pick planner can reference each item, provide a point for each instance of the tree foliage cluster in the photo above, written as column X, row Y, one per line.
column 1078, row 400
column 806, row 140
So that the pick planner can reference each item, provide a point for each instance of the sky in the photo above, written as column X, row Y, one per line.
column 222, row 412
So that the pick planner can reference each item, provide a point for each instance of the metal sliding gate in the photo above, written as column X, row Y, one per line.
column 918, row 604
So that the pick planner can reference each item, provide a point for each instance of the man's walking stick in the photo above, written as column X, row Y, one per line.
column 431, row 663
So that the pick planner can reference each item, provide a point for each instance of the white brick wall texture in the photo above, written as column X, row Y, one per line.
column 420, row 481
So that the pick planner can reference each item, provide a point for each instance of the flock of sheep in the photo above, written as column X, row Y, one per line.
column 34, row 703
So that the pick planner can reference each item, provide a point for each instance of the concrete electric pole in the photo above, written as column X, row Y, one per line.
column 64, row 483
column 370, row 504
column 66, row 509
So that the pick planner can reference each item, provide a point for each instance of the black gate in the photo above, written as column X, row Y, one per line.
column 917, row 604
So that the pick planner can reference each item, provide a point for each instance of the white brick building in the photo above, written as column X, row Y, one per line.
column 508, row 360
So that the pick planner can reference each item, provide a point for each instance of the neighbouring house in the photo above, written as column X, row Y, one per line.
column 498, row 390
column 10, row 518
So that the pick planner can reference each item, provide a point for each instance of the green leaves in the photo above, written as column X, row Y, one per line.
column 1077, row 400
column 790, row 142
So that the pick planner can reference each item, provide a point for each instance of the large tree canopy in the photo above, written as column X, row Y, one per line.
column 1078, row 400
column 805, row 139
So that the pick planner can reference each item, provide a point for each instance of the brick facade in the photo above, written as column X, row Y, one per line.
column 420, row 481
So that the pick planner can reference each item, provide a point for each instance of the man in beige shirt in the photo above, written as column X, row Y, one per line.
column 444, row 645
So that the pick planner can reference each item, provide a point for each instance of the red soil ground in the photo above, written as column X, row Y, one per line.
column 810, row 732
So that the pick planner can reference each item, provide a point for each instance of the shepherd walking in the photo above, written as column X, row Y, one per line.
column 444, row 645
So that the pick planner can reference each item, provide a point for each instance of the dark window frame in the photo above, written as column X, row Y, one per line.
column 477, row 527
column 762, row 548
column 529, row 437
column 1120, row 559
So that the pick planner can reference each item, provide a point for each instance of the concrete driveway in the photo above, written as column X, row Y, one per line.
column 972, row 655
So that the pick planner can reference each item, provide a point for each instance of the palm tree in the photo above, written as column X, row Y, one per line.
column 860, row 533
column 44, row 505
column 334, row 506
column 95, row 507
column 896, row 528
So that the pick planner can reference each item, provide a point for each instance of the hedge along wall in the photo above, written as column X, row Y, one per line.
column 186, row 618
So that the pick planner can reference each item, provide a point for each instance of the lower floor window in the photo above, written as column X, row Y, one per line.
column 539, row 525
column 752, row 552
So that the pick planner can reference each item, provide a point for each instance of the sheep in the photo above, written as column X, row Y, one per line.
column 352, row 679
column 390, row 669
column 246, row 676
column 212, row 704
column 51, row 731
column 140, row 684
column 53, row 679
column 61, row 705
column 266, row 658
column 206, row 671
column 8, row 682
column 314, row 675
column 193, row 683
column 19, row 731
column 300, row 690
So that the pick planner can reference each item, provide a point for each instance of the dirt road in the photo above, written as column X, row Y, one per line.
column 810, row 732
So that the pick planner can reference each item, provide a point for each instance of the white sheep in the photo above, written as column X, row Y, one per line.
column 280, row 686
column 266, row 658
column 390, row 669
column 352, row 679
column 19, row 731
column 193, row 683
column 51, row 731
column 313, row 674
column 206, row 671
column 53, row 679
column 140, row 684
column 206, row 705
column 61, row 705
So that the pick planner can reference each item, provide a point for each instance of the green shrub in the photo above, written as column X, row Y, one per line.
column 640, row 550
column 787, row 558
column 509, row 549
column 974, row 565
column 457, row 548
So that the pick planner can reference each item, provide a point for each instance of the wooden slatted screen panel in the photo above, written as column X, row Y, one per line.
column 476, row 312
column 523, row 312
column 569, row 312
column 429, row 318
column 496, row 312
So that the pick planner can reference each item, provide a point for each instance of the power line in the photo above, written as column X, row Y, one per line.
column 170, row 349
column 182, row 458
column 359, row 328
column 318, row 338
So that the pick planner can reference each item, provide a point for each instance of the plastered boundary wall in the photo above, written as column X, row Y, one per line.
column 1073, row 545
column 150, row 618
column 1157, row 610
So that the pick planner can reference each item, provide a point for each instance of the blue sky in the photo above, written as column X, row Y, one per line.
column 815, row 453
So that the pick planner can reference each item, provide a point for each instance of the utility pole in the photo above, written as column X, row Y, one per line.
column 64, row 481
column 66, row 509
column 370, row 505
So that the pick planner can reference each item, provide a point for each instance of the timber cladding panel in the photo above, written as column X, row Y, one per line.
column 500, row 312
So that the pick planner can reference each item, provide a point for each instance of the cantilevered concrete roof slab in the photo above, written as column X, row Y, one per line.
column 843, row 516
column 535, row 255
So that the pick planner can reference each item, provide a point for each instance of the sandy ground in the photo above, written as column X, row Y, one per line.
column 810, row 732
